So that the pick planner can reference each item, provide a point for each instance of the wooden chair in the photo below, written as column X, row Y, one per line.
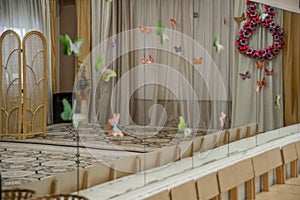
column 232, row 176
column 289, row 156
column 243, row 131
column 252, row 129
column 62, row 197
column 209, row 141
column 197, row 143
column 222, row 138
column 234, row 134
column 163, row 195
column 17, row 194
column 207, row 187
column 186, row 191
column 265, row 162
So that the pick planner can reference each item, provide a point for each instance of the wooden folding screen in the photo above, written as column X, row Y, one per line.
column 23, row 94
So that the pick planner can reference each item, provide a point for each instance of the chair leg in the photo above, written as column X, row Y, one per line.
column 250, row 189
column 233, row 194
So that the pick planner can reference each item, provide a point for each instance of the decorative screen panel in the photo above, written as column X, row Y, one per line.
column 23, row 85
column 10, row 94
column 34, row 70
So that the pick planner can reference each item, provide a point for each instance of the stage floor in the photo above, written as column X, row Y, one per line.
column 38, row 158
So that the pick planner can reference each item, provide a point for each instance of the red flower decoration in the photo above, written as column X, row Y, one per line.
column 249, row 27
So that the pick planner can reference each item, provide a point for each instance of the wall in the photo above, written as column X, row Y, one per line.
column 67, row 25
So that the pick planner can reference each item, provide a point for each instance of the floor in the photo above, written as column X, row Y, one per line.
column 37, row 158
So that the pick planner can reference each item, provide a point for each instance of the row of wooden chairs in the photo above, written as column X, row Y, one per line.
column 100, row 173
column 213, row 185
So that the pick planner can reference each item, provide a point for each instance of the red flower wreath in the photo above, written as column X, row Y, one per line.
column 250, row 26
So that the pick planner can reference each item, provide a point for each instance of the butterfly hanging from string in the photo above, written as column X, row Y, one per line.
column 269, row 72
column 147, row 61
column 261, row 84
column 182, row 126
column 198, row 61
column 70, row 115
column 241, row 18
column 160, row 32
column 172, row 21
column 177, row 49
column 145, row 29
column 246, row 75
column 217, row 45
column 71, row 48
column 105, row 73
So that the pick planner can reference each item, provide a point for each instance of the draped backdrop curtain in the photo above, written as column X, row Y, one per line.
column 290, row 65
column 248, row 105
column 23, row 16
column 228, row 93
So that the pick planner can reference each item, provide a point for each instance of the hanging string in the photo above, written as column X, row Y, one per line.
column 144, row 96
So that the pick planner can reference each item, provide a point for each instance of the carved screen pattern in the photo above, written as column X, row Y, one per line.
column 23, row 79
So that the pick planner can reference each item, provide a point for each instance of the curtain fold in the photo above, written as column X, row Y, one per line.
column 54, row 41
column 84, row 28
column 250, row 106
column 291, row 71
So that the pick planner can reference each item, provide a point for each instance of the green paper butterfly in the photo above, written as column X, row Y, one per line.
column 71, row 48
column 160, row 29
column 276, row 100
column 99, row 62
column 107, row 74
column 69, row 113
column 182, row 124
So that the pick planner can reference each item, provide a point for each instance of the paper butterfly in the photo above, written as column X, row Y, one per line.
column 261, row 84
column 99, row 62
column 113, row 43
column 106, row 74
column 164, row 38
column 145, row 29
column 246, row 75
column 269, row 72
column 198, row 61
column 195, row 15
column 276, row 100
column 240, row 19
column 217, row 44
column 177, row 49
column 113, row 122
column 160, row 29
column 260, row 64
column 71, row 48
column 69, row 113
column 181, row 124
column 263, row 16
column 172, row 21
column 187, row 132
column 147, row 61
column 222, row 119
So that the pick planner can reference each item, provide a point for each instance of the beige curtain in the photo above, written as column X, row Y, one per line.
column 84, row 28
column 215, row 19
column 290, row 65
column 54, row 40
column 249, row 106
